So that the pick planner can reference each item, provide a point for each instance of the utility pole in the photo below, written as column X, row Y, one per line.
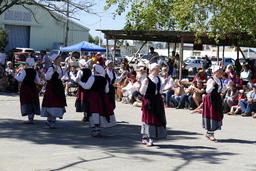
column 67, row 28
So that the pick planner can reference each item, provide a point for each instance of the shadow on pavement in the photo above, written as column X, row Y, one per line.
column 121, row 139
column 236, row 141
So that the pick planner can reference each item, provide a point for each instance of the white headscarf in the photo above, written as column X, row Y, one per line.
column 99, row 69
column 82, row 62
column 215, row 68
column 108, row 62
column 54, row 57
column 30, row 62
column 153, row 65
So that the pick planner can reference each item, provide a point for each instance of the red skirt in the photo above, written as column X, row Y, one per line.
column 96, row 104
column 82, row 98
column 29, row 95
column 51, row 99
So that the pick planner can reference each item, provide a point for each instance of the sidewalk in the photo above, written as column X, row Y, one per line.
column 70, row 146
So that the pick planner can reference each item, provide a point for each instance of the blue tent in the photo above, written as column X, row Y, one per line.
column 84, row 46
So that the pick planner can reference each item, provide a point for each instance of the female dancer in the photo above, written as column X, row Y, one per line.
column 29, row 98
column 212, row 104
column 112, row 78
column 153, row 114
column 82, row 95
column 54, row 100
column 101, row 110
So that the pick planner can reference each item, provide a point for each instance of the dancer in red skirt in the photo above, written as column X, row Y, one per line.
column 112, row 78
column 29, row 98
column 153, row 114
column 101, row 111
column 83, row 94
column 212, row 104
column 54, row 100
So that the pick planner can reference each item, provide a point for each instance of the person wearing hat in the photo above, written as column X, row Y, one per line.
column 212, row 104
column 54, row 101
column 153, row 114
column 112, row 78
column 101, row 110
column 29, row 98
column 82, row 98
column 249, row 105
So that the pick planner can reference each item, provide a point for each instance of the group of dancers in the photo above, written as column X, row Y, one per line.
column 96, row 98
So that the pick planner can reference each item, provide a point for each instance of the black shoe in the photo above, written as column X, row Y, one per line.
column 246, row 114
column 178, row 107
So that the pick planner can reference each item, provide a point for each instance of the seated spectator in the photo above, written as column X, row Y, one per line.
column 132, row 71
column 132, row 86
column 125, row 62
column 168, row 89
column 230, row 98
column 200, row 76
column 246, row 74
column 248, row 105
column 119, row 86
column 225, row 78
column 142, row 74
column 197, row 96
column 122, row 69
column 238, row 82
column 231, row 73
column 2, row 71
column 188, row 92
column 236, row 109
column 69, row 81
column 13, row 85
column 9, row 70
column 3, row 83
column 178, row 91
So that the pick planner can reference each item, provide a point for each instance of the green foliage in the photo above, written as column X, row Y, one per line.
column 211, row 17
column 3, row 38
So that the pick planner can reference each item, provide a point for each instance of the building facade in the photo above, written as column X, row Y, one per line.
column 40, row 30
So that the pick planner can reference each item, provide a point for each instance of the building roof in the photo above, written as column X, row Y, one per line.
column 175, row 37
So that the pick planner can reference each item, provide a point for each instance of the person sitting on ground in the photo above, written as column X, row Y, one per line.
column 197, row 95
column 246, row 74
column 132, row 71
column 231, row 73
column 178, row 91
column 188, row 92
column 230, row 98
column 9, row 70
column 248, row 105
column 132, row 86
column 236, row 109
column 168, row 90
column 142, row 74
column 119, row 86
column 122, row 69
column 239, row 82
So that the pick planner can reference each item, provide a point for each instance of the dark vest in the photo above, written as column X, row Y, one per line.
column 108, row 79
column 86, row 74
column 152, row 87
column 99, row 84
column 30, row 77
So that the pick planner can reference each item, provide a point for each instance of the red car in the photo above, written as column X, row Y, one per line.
column 20, row 57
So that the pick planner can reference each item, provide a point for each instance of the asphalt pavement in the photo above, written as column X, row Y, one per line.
column 70, row 147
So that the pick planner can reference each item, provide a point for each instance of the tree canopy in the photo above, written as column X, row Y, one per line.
column 211, row 17
column 3, row 38
column 50, row 5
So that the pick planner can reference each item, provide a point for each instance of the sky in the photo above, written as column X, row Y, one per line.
column 92, row 21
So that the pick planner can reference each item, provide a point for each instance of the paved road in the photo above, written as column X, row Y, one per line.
column 70, row 147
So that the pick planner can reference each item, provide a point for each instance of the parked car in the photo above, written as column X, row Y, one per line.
column 18, row 49
column 227, row 61
column 193, row 57
column 20, row 58
column 193, row 63
column 63, row 54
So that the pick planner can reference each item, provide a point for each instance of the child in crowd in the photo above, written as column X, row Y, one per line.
column 237, row 109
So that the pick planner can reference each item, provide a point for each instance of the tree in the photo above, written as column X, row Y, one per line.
column 211, row 17
column 3, row 38
column 50, row 6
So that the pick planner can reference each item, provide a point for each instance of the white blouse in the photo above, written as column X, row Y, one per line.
column 209, row 86
column 90, row 82
column 60, row 71
column 111, row 76
column 154, row 79
column 23, row 74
